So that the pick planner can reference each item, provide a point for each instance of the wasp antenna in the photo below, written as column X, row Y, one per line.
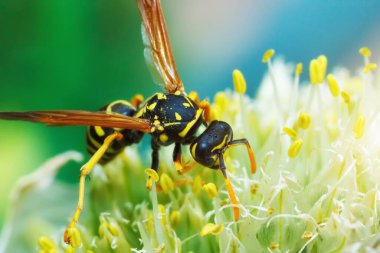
column 230, row 189
column 249, row 149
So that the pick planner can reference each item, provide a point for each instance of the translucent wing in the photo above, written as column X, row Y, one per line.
column 158, row 52
column 80, row 118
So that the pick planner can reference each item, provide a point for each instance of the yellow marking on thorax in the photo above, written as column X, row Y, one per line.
column 151, row 106
column 99, row 131
column 163, row 138
column 191, row 123
column 221, row 144
column 186, row 105
column 161, row 96
column 193, row 149
column 177, row 116
column 189, row 101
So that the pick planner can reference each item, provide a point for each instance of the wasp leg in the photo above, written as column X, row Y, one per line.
column 204, row 104
column 136, row 100
column 85, row 171
column 155, row 147
column 249, row 149
column 230, row 190
column 181, row 169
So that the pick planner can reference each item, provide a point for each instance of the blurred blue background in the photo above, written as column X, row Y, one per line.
column 75, row 54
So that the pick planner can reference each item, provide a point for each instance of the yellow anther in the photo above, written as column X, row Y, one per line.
column 166, row 183
column 359, row 126
column 346, row 97
column 153, row 174
column 220, row 99
column 75, row 238
column 317, row 69
column 211, row 228
column 161, row 209
column 365, row 51
column 210, row 190
column 175, row 218
column 369, row 67
column 322, row 65
column 253, row 189
column 304, row 120
column 240, row 85
column 270, row 210
column 307, row 235
column 268, row 55
column 313, row 70
column 290, row 132
column 113, row 230
column 274, row 245
column 295, row 148
column 105, row 227
column 47, row 244
column 197, row 185
column 333, row 85
column 70, row 249
column 299, row 68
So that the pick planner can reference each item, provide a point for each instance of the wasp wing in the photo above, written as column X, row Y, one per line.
column 80, row 118
column 158, row 52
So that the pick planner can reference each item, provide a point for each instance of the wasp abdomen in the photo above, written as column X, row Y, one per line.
column 96, row 135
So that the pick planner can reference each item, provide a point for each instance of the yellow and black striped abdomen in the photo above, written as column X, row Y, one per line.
column 96, row 135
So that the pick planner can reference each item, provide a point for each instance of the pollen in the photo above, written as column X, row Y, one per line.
column 240, row 85
column 317, row 69
column 304, row 120
column 313, row 69
column 307, row 235
column 211, row 228
column 359, row 127
column 346, row 97
column 75, row 238
column 299, row 68
column 290, row 132
column 153, row 174
column 197, row 185
column 210, row 190
column 369, row 67
column 268, row 55
column 69, row 249
column 175, row 218
column 46, row 244
column 333, row 85
column 294, row 149
column 166, row 183
column 365, row 51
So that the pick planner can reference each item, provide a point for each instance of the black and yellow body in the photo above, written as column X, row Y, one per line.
column 96, row 135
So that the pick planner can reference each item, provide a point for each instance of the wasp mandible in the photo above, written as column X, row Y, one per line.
column 172, row 117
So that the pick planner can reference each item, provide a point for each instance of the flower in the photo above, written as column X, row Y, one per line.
column 316, row 187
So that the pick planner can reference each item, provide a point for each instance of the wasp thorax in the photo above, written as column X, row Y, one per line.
column 210, row 143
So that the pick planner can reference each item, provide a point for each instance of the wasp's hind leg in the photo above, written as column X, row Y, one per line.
column 85, row 171
column 177, row 159
column 155, row 148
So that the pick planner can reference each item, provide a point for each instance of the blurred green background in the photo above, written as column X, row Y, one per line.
column 81, row 54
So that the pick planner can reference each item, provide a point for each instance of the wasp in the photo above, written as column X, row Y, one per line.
column 172, row 117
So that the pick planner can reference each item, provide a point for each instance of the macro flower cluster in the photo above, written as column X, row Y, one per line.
column 315, row 189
